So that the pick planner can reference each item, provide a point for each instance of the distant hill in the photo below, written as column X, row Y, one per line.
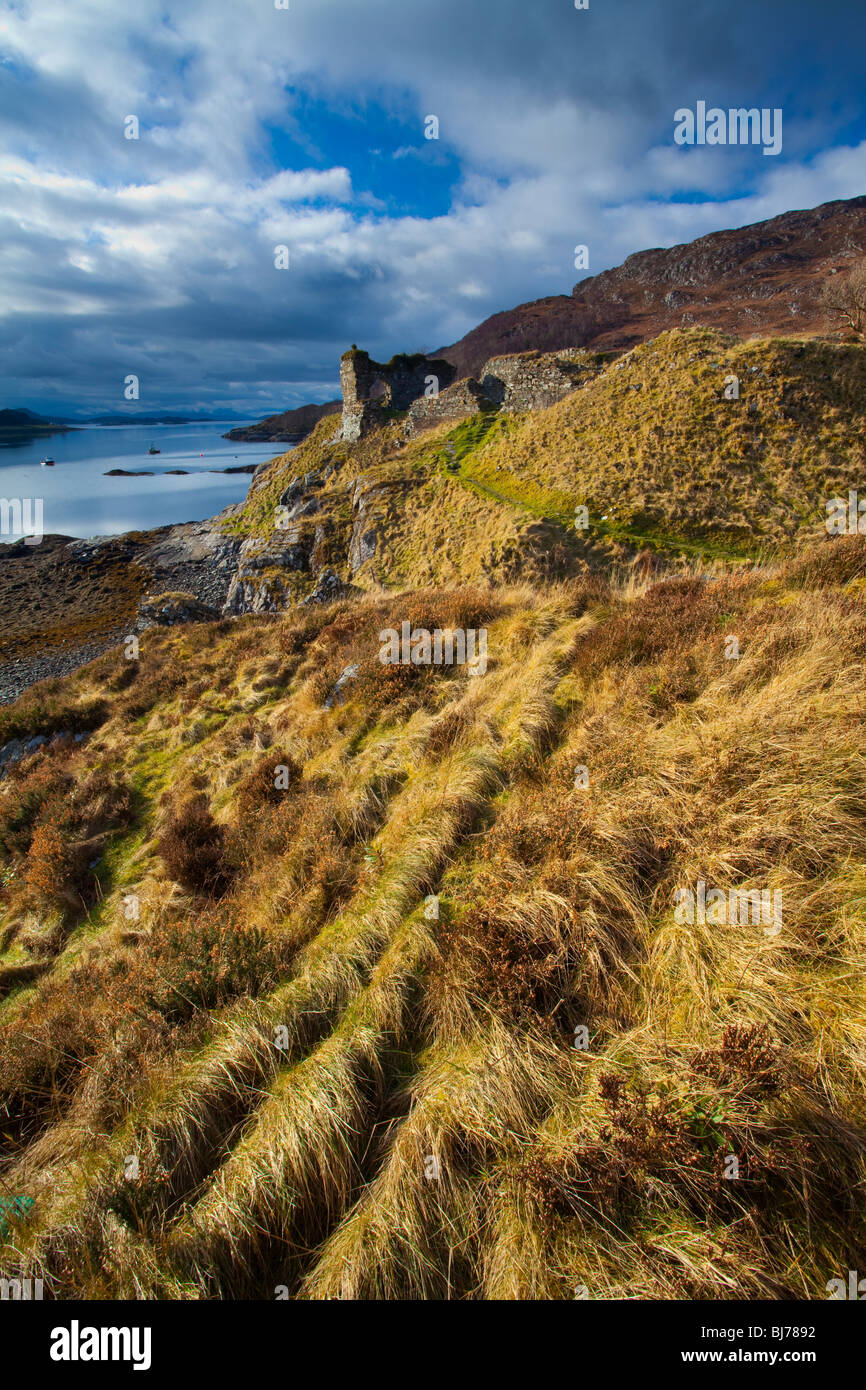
column 154, row 419
column 287, row 428
column 761, row 280
column 19, row 426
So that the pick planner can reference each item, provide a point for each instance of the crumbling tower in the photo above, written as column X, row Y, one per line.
column 371, row 389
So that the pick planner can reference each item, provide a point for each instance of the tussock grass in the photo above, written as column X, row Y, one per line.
column 431, row 1124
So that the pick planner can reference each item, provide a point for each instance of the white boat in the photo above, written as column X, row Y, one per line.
column 47, row 463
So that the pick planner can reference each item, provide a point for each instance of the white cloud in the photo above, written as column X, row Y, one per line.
column 562, row 127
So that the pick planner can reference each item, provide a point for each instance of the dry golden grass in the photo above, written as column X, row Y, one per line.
column 330, row 1081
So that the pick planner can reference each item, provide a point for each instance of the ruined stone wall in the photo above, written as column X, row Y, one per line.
column 534, row 380
column 369, row 388
column 522, row 381
column 454, row 403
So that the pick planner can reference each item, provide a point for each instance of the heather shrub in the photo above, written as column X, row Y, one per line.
column 202, row 962
column 101, row 801
column 124, row 1007
column 57, row 873
column 836, row 560
column 664, row 623
column 270, row 780
column 384, row 684
column 156, row 678
column 51, row 707
column 511, row 956
column 193, row 848
column 27, row 793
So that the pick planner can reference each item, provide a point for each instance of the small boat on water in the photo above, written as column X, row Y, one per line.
column 47, row 463
column 151, row 450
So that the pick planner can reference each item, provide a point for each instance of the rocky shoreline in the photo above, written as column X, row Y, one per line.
column 72, row 600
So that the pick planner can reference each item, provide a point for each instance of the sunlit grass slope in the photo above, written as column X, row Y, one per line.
column 289, row 994
column 651, row 446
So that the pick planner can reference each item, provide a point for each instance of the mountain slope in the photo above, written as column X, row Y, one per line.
column 764, row 279
column 329, row 976
column 20, row 426
column 669, row 470
column 288, row 426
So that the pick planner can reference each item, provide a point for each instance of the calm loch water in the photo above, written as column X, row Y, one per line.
column 78, row 500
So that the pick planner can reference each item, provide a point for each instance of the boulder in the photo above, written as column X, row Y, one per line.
column 169, row 610
column 292, row 492
column 303, row 508
column 11, row 752
column 328, row 588
column 336, row 696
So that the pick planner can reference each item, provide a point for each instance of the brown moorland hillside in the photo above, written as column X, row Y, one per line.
column 762, row 280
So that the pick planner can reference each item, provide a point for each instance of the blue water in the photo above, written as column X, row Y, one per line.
column 77, row 500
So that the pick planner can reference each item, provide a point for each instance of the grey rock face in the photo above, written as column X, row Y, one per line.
column 169, row 610
column 328, row 588
column 336, row 696
column 11, row 752
column 303, row 508
column 370, row 501
column 250, row 596
column 362, row 547
column 195, row 558
column 292, row 493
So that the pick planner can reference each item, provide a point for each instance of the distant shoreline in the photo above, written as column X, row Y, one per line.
column 291, row 427
column 23, row 434
column 24, row 431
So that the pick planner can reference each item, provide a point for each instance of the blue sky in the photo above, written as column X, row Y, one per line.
column 306, row 128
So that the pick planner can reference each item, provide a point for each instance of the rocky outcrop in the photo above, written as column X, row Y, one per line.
column 254, row 587
column 337, row 696
column 328, row 588
column 170, row 610
column 195, row 558
column 251, row 595
column 373, row 501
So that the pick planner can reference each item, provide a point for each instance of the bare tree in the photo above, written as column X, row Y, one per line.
column 845, row 297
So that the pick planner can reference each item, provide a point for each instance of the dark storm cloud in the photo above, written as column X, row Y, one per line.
column 158, row 253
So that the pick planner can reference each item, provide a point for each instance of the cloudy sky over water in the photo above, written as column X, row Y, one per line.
column 305, row 127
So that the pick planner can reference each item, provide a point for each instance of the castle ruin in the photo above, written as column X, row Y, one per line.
column 371, row 389
column 425, row 388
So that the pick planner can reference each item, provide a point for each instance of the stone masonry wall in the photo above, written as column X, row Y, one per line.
column 534, row 380
column 369, row 388
column 454, row 403
column 522, row 381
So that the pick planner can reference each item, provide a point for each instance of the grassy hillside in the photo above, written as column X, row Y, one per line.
column 239, row 1050
column 650, row 446
column 658, row 454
